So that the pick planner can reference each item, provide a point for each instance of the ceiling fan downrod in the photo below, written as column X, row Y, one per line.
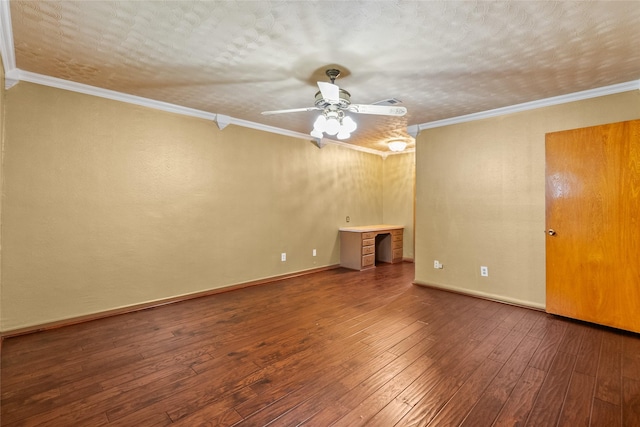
column 333, row 74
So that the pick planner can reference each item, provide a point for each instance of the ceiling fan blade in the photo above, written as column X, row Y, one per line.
column 388, row 101
column 330, row 92
column 292, row 110
column 383, row 110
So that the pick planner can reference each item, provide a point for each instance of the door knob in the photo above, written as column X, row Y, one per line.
column 551, row 232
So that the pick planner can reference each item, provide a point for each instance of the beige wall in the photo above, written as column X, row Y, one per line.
column 398, row 195
column 480, row 197
column 107, row 205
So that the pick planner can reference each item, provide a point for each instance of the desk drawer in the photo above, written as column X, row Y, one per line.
column 366, row 250
column 368, row 260
column 396, row 245
column 396, row 237
column 368, row 242
column 397, row 254
column 368, row 235
column 396, row 232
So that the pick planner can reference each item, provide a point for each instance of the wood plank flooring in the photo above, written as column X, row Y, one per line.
column 337, row 348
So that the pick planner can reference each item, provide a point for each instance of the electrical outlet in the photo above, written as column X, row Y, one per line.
column 348, row 218
column 484, row 271
column 436, row 264
column 314, row 252
column 283, row 256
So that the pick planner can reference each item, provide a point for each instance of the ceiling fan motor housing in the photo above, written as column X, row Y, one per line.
column 345, row 100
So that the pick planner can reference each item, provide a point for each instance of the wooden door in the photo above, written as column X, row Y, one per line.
column 593, row 205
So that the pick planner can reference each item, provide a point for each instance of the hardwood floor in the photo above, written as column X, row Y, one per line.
column 339, row 348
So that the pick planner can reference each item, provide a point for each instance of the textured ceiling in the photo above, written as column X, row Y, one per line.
column 238, row 58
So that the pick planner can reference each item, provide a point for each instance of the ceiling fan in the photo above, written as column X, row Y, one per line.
column 333, row 102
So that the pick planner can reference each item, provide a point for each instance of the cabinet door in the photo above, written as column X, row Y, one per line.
column 593, row 224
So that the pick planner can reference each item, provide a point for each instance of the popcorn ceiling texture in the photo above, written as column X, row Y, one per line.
column 442, row 59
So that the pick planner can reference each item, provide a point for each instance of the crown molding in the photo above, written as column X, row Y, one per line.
column 396, row 153
column 354, row 147
column 526, row 106
column 108, row 94
column 413, row 130
column 221, row 120
column 270, row 129
column 12, row 76
column 226, row 120
column 6, row 37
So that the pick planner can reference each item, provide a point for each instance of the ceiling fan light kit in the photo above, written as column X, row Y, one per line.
column 333, row 102
column 333, row 122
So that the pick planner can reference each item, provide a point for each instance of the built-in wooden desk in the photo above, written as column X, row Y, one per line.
column 361, row 247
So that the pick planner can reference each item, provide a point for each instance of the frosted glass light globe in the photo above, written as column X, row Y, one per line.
column 332, row 127
column 348, row 124
column 320, row 123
